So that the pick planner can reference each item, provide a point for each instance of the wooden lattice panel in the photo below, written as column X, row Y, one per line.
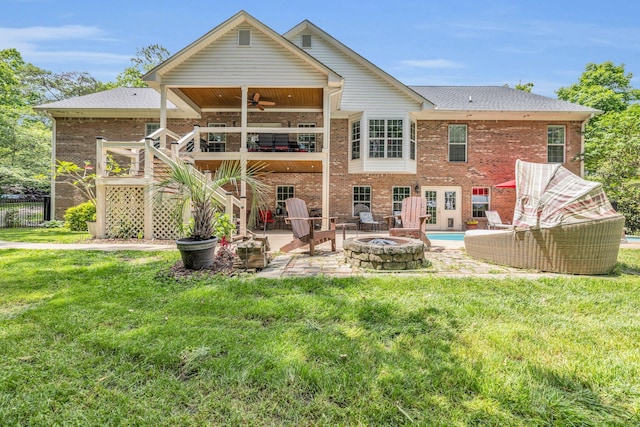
column 164, row 222
column 124, row 212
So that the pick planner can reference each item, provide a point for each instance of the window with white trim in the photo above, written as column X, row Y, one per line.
column 399, row 194
column 216, row 142
column 457, row 143
column 149, row 128
column 283, row 192
column 412, row 140
column 555, row 143
column 361, row 196
column 355, row 140
column 479, row 201
column 307, row 141
column 385, row 138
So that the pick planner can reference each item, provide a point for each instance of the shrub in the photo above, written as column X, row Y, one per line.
column 54, row 223
column 12, row 218
column 76, row 217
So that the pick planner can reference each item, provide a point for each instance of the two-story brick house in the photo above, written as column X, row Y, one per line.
column 333, row 128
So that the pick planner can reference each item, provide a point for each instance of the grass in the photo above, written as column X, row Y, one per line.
column 43, row 235
column 110, row 338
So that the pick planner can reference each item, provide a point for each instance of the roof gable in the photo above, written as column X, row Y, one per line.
column 196, row 50
column 307, row 27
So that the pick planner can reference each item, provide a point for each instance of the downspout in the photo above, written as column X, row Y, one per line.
column 52, row 206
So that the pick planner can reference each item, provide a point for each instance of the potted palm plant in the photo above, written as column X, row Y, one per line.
column 191, row 192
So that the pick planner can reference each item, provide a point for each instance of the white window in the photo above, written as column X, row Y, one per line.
column 413, row 137
column 355, row 140
column 216, row 142
column 244, row 37
column 555, row 144
column 385, row 138
column 399, row 194
column 283, row 192
column 149, row 128
column 361, row 196
column 307, row 141
column 479, row 201
column 457, row 143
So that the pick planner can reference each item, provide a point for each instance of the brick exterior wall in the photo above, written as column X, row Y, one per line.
column 493, row 147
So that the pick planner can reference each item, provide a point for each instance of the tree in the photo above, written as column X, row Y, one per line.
column 525, row 87
column 59, row 86
column 24, row 137
column 602, row 86
column 145, row 60
column 612, row 140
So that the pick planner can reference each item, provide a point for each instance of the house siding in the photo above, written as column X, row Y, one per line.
column 264, row 63
column 363, row 89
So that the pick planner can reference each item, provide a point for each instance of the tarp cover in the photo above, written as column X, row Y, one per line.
column 548, row 195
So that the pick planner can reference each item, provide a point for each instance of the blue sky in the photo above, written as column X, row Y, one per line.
column 421, row 42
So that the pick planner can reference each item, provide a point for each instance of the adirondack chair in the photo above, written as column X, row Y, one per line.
column 304, row 232
column 413, row 219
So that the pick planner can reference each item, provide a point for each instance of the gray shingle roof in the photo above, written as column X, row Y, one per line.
column 130, row 98
column 493, row 98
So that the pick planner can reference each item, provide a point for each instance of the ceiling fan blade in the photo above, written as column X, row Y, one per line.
column 259, row 105
column 267, row 103
column 256, row 97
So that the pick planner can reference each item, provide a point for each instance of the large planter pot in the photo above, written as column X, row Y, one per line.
column 197, row 254
column 92, row 226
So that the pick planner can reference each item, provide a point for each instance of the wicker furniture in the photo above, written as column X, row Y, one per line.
column 589, row 247
column 562, row 224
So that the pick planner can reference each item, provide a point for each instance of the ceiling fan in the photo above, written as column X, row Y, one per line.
column 256, row 102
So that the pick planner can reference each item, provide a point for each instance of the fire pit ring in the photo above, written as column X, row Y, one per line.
column 385, row 253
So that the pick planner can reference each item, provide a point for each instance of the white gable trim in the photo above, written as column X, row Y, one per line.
column 154, row 77
column 306, row 26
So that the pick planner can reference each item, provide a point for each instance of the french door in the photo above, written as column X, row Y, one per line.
column 443, row 204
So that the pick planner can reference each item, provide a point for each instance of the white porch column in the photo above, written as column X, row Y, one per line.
column 326, row 151
column 163, row 115
column 243, row 160
column 243, row 119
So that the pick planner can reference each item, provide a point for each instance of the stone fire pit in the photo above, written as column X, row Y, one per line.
column 385, row 253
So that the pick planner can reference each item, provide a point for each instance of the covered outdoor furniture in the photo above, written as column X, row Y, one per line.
column 413, row 217
column 303, row 227
column 494, row 220
column 367, row 220
column 563, row 224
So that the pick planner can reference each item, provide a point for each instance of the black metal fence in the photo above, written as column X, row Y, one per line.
column 19, row 212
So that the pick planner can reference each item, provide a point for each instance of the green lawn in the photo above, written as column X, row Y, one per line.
column 43, row 235
column 97, row 338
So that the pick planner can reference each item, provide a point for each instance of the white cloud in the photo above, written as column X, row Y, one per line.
column 35, row 44
column 431, row 63
column 10, row 36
